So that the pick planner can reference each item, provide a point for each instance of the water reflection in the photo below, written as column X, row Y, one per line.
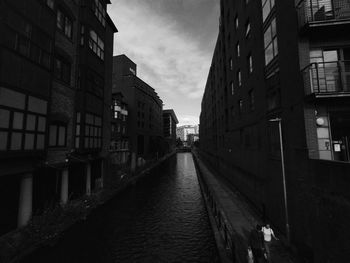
column 161, row 219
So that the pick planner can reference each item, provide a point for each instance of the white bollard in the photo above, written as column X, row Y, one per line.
column 25, row 200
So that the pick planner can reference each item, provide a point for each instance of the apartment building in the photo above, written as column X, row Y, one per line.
column 169, row 128
column 120, row 135
column 145, row 121
column 52, row 109
column 284, row 62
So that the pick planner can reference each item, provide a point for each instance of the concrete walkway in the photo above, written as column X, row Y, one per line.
column 235, row 215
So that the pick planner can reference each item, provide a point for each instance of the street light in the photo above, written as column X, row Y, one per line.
column 279, row 120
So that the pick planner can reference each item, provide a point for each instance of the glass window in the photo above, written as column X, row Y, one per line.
column 267, row 6
column 236, row 22
column 61, row 136
column 29, row 141
column 238, row 51
column 11, row 98
column 40, row 141
column 3, row 140
column 50, row 3
column 64, row 23
column 239, row 78
column 41, row 124
column 96, row 44
column 53, row 135
column 247, row 32
column 37, row 105
column 16, row 141
column 17, row 120
column 99, row 11
column 30, row 126
column 62, row 69
column 4, row 118
column 270, row 42
column 232, row 88
column 250, row 63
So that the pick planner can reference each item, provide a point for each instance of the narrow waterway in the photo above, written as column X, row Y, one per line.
column 160, row 219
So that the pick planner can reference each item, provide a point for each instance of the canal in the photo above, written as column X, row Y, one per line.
column 162, row 218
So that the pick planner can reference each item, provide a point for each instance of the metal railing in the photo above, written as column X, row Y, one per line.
column 322, row 10
column 327, row 77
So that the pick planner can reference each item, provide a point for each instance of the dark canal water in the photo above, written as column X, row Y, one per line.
column 160, row 219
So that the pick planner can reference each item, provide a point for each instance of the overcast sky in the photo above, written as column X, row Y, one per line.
column 172, row 43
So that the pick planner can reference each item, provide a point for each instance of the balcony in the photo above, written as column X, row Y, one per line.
column 327, row 79
column 320, row 13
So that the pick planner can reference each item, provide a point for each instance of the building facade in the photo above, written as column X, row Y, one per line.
column 184, row 130
column 145, row 122
column 284, row 62
column 46, row 100
column 120, row 135
column 169, row 128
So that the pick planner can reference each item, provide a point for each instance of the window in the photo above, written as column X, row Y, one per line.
column 240, row 107
column 238, row 50
column 58, row 135
column 22, row 125
column 239, row 78
column 77, row 130
column 247, row 30
column 232, row 88
column 94, row 83
column 82, row 35
column 99, row 11
column 50, row 3
column 270, row 41
column 62, row 70
column 231, row 64
column 96, row 44
column 267, row 6
column 93, row 131
column 250, row 63
column 64, row 23
column 251, row 100
column 26, row 39
column 236, row 22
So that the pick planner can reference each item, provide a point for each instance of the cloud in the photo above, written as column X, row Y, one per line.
column 169, row 43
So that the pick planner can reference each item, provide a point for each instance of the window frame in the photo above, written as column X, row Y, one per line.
column 65, row 26
column 58, row 125
column 95, row 44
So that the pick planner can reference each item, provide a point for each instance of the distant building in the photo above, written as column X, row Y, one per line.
column 191, row 138
column 119, row 130
column 285, row 62
column 169, row 128
column 145, row 119
column 183, row 131
column 55, row 76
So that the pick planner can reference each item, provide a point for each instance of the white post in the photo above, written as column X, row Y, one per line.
column 25, row 200
column 284, row 181
column 88, row 179
column 64, row 186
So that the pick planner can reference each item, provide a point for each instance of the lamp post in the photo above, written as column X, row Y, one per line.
column 279, row 120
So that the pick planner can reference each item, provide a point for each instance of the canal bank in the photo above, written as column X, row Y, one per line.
column 233, row 217
column 161, row 218
column 48, row 227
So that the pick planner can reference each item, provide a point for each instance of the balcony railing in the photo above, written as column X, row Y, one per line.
column 327, row 77
column 323, row 10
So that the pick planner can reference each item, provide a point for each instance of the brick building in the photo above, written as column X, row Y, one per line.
column 169, row 128
column 145, row 122
column 55, row 62
column 288, row 61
